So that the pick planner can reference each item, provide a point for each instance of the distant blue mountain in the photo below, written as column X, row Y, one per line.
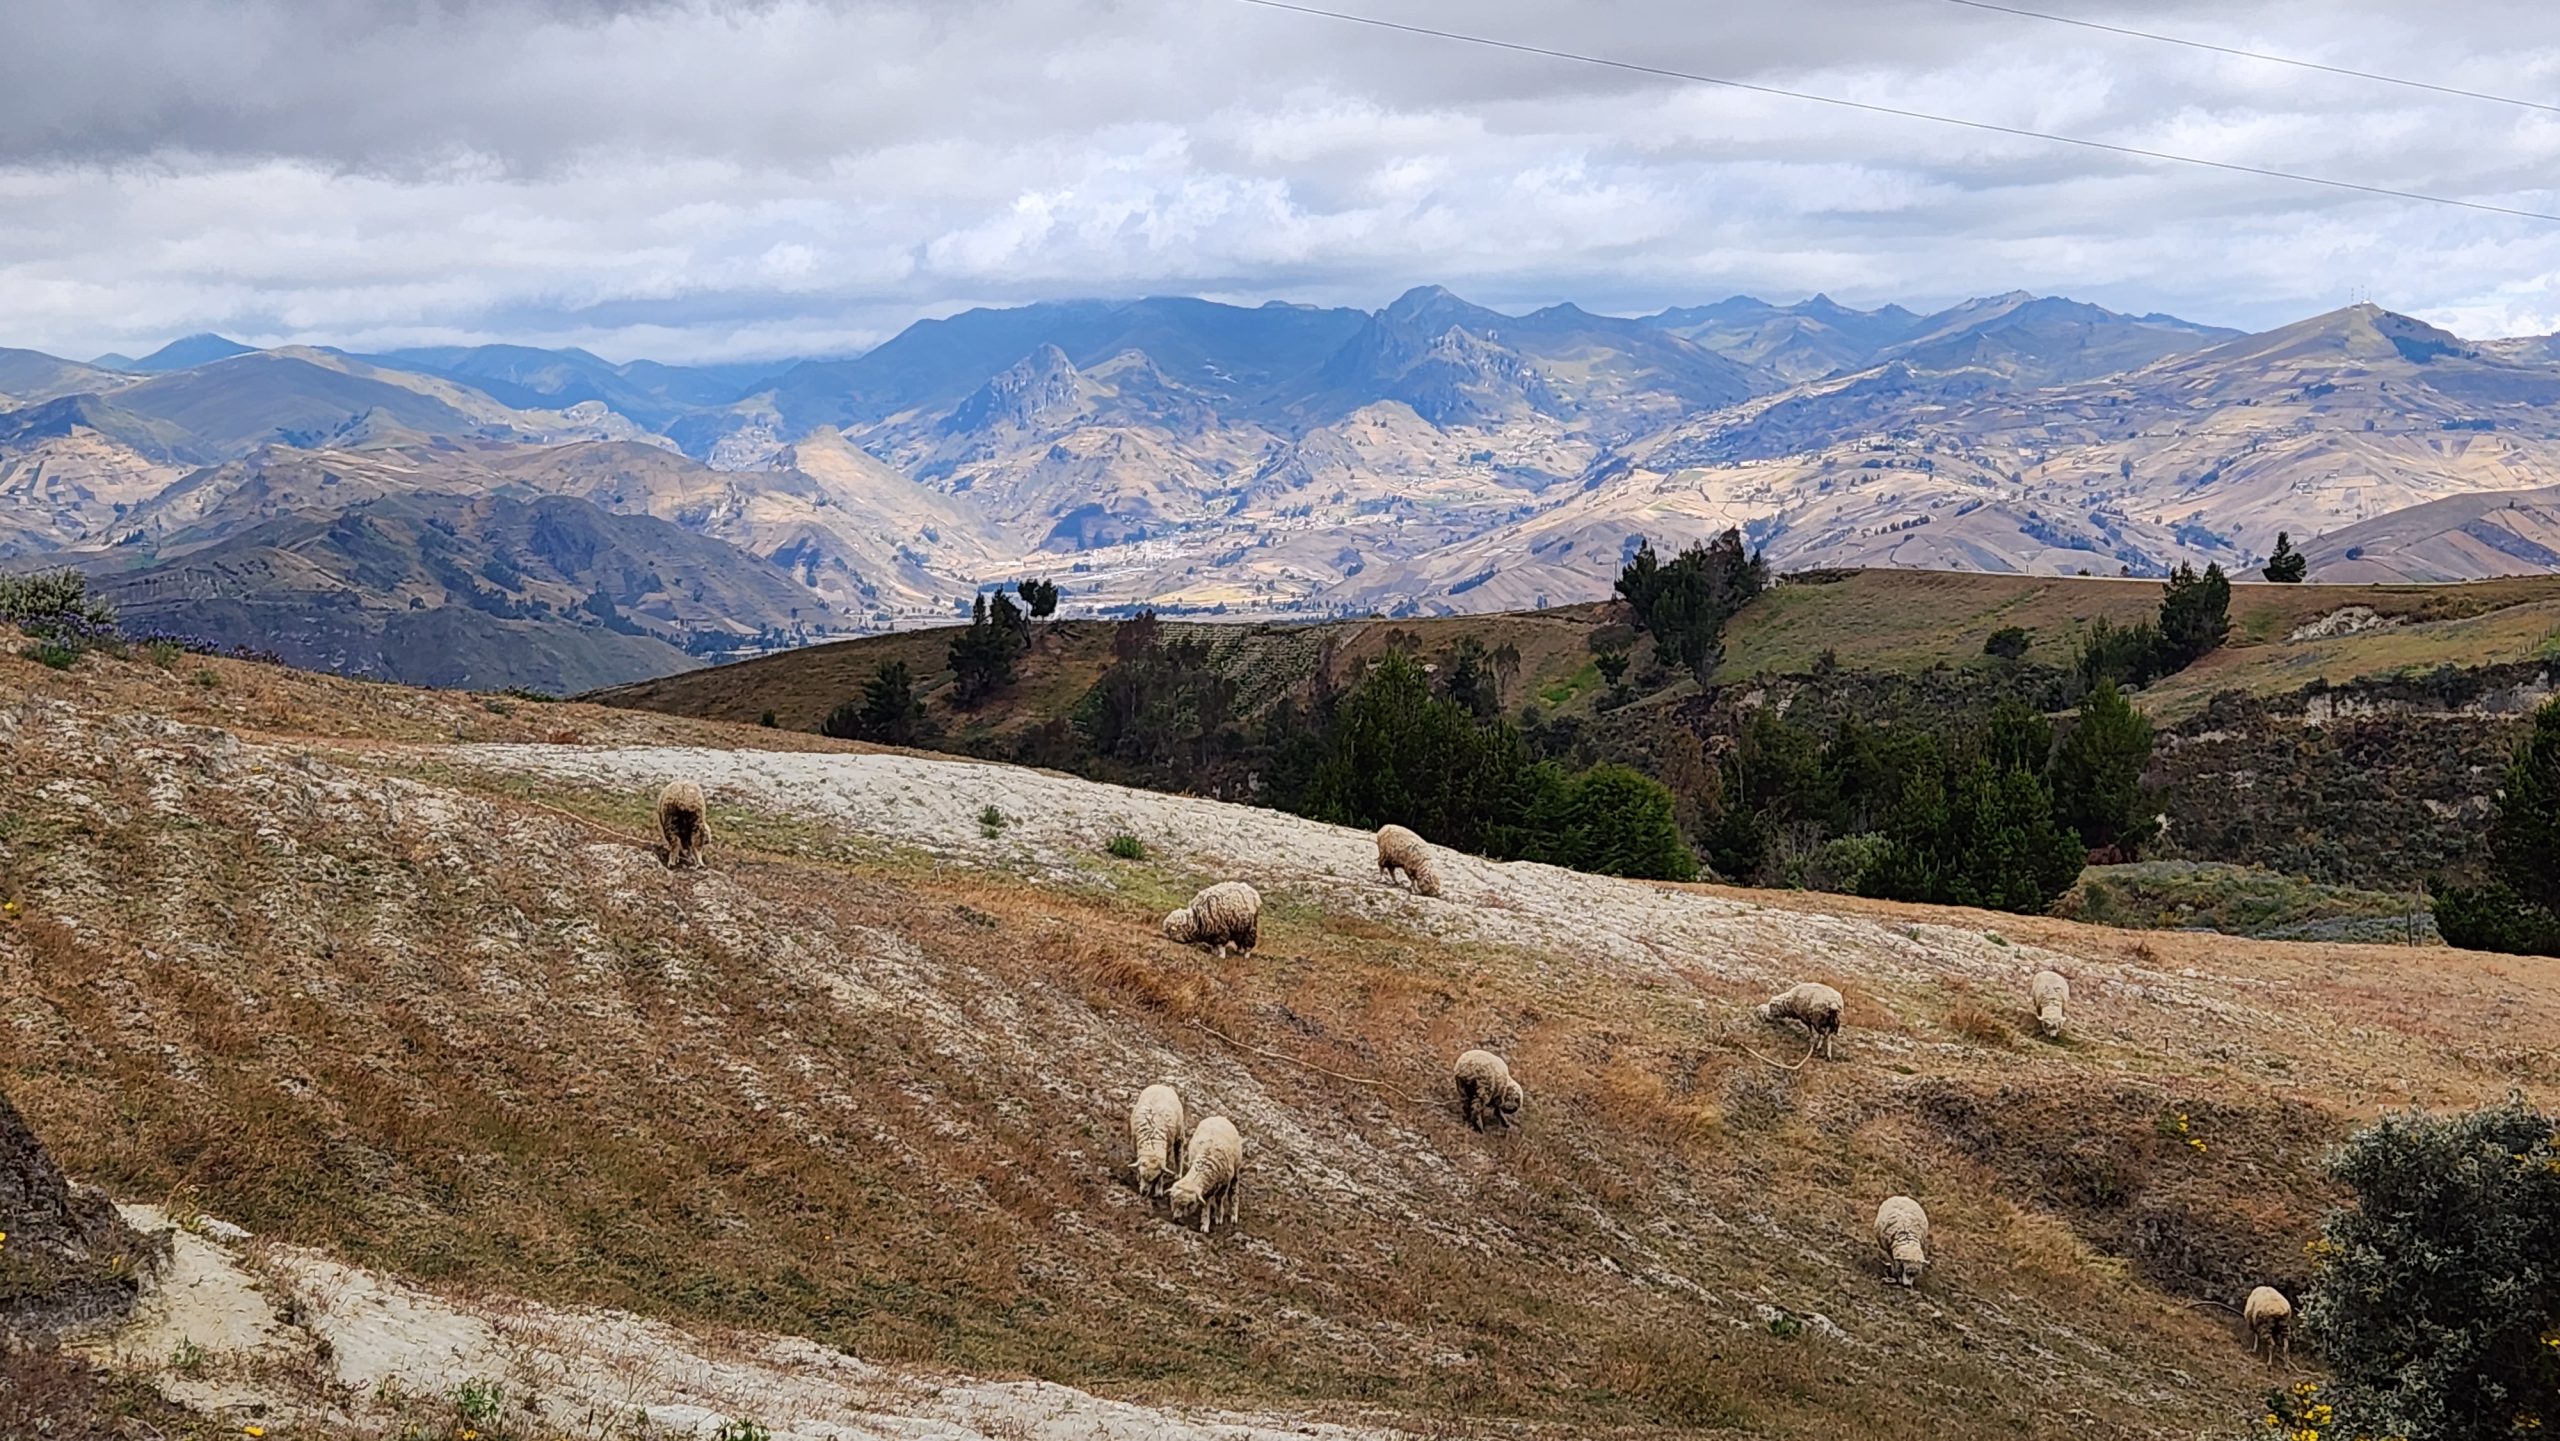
column 200, row 349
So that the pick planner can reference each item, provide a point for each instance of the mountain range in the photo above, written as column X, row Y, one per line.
column 503, row 514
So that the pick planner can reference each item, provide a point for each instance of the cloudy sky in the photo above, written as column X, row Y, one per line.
column 696, row 181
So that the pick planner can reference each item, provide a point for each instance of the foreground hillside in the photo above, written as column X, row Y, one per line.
column 391, row 979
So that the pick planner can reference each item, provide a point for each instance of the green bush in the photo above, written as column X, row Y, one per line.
column 55, row 609
column 2437, row 1304
column 1126, row 847
column 2009, row 642
column 2491, row 917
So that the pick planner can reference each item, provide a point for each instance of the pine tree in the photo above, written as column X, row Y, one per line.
column 2097, row 772
column 2195, row 614
column 2287, row 565
column 2524, row 834
column 889, row 712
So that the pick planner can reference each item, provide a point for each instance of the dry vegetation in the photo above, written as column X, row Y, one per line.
column 302, row 971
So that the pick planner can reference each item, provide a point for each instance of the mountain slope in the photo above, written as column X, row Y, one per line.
column 31, row 377
column 1804, row 341
column 450, row 590
column 2457, row 538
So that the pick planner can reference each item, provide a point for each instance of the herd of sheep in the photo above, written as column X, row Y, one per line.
column 1199, row 1169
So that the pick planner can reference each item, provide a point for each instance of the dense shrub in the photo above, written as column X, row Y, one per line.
column 2009, row 642
column 2491, row 917
column 2437, row 1305
column 1963, row 815
column 55, row 609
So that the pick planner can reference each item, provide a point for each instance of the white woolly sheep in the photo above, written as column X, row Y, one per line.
column 1486, row 1090
column 1400, row 850
column 2270, row 1318
column 1226, row 914
column 2051, row 993
column 1814, row 1004
column 684, row 823
column 1214, row 1174
column 1158, row 1125
column 1902, row 1234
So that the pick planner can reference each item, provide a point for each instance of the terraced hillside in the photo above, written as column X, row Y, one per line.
column 391, row 979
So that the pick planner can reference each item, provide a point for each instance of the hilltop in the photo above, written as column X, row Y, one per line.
column 388, row 978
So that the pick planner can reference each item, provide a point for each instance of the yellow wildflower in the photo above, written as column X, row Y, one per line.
column 253, row 1431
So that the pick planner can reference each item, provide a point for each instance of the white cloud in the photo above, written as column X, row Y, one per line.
column 700, row 180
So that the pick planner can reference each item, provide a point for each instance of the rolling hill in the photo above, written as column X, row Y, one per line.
column 477, row 592
column 829, row 1137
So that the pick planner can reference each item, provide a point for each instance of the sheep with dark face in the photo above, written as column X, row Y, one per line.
column 684, row 823
column 2270, row 1318
column 1814, row 1005
column 1226, row 914
column 1401, row 852
column 1158, row 1128
column 1486, row 1091
column 1213, row 1176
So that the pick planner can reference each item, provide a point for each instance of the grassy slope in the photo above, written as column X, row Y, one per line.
column 1880, row 619
column 460, row 1028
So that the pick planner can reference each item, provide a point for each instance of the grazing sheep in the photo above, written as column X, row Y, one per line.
column 2270, row 1318
column 1400, row 850
column 1158, row 1126
column 1486, row 1090
column 1215, row 1173
column 1815, row 1004
column 684, row 823
column 1226, row 914
column 2051, row 993
column 1902, row 1234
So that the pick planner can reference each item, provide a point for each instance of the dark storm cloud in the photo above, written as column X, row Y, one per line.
column 746, row 179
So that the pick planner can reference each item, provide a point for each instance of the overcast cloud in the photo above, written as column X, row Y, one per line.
column 701, row 181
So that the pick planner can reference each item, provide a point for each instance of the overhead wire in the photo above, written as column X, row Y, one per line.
column 1896, row 111
column 2244, row 54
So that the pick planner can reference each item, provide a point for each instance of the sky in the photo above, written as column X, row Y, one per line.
column 700, row 182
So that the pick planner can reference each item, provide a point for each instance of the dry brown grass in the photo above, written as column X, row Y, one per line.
column 879, row 1102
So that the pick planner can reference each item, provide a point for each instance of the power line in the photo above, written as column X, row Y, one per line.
column 2257, row 55
column 1896, row 111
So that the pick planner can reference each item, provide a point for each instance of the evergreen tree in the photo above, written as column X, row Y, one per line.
column 1613, row 666
column 1160, row 708
column 889, row 712
column 1611, row 820
column 2439, row 1287
column 2195, row 614
column 982, row 656
column 1040, row 597
column 2097, row 772
column 1684, row 605
column 2524, row 833
column 2287, row 565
